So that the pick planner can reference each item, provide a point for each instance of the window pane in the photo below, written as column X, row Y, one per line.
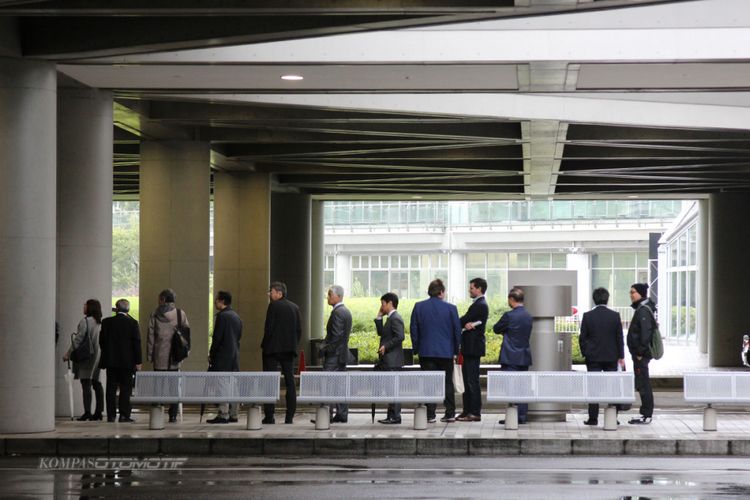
column 355, row 262
column 497, row 261
column 399, row 283
column 540, row 261
column 559, row 261
column 518, row 261
column 414, row 262
column 624, row 259
column 379, row 283
column 475, row 260
column 414, row 284
column 364, row 261
column 360, row 283
column 602, row 260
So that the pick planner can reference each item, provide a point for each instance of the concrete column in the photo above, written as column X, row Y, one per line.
column 728, row 294
column 457, row 286
column 581, row 263
column 28, row 169
column 317, row 285
column 242, row 262
column 343, row 266
column 702, row 278
column 290, row 253
column 84, row 218
column 174, row 243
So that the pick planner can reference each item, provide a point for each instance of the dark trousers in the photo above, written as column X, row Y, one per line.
column 172, row 407
column 472, row 391
column 599, row 366
column 643, row 385
column 394, row 409
column 332, row 364
column 446, row 365
column 86, row 384
column 122, row 379
column 523, row 408
column 271, row 363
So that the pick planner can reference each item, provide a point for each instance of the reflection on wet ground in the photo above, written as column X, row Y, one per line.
column 414, row 477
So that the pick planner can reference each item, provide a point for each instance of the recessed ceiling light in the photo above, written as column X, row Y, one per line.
column 416, row 197
column 292, row 77
column 632, row 196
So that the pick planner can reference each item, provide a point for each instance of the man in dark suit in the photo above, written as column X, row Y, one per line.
column 515, row 353
column 436, row 337
column 601, row 342
column 282, row 333
column 225, row 349
column 473, row 348
column 120, row 344
column 335, row 348
column 391, row 350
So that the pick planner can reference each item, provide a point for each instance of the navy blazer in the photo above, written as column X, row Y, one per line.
column 473, row 342
column 515, row 326
column 435, row 330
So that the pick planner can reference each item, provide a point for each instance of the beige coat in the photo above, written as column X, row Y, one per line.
column 161, row 327
column 88, row 369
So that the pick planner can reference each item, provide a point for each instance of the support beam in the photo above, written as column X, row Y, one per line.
column 174, row 241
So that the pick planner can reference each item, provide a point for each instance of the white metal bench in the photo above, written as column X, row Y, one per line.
column 161, row 388
column 712, row 388
column 372, row 387
column 560, row 387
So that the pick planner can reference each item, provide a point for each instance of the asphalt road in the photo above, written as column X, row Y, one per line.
column 388, row 478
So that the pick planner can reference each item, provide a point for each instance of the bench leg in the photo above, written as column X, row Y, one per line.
column 322, row 418
column 253, row 418
column 610, row 418
column 709, row 418
column 156, row 422
column 511, row 418
column 420, row 417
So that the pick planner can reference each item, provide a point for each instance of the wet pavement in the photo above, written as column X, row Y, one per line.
column 412, row 478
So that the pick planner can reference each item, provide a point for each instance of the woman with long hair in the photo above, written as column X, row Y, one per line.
column 88, row 370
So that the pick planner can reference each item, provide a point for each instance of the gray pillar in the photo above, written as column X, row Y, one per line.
column 317, row 285
column 290, row 253
column 702, row 278
column 174, row 244
column 84, row 218
column 242, row 263
column 28, row 104
column 728, row 294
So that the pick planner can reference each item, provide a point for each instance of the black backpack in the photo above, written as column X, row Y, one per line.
column 180, row 341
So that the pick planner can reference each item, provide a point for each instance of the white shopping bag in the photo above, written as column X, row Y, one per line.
column 458, row 378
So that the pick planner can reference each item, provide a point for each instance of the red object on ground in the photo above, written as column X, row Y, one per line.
column 301, row 366
column 460, row 358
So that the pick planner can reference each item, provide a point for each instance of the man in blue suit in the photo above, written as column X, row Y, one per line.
column 515, row 353
column 436, row 338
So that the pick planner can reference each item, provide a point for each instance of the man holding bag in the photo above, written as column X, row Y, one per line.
column 473, row 347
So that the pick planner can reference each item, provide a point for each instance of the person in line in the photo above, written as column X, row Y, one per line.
column 225, row 350
column 473, row 347
column 281, row 336
column 435, row 332
column 601, row 342
column 120, row 342
column 391, row 350
column 515, row 353
column 161, row 328
column 335, row 348
column 87, row 371
column 639, row 341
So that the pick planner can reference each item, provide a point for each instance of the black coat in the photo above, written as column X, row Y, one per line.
column 283, row 329
column 601, row 335
column 473, row 342
column 642, row 329
column 225, row 343
column 392, row 337
column 120, row 342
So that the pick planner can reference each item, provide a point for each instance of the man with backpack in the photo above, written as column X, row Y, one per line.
column 640, row 334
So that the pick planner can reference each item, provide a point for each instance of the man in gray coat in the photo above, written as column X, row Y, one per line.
column 335, row 348
column 391, row 352
column 225, row 348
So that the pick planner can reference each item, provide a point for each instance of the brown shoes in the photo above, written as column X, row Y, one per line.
column 469, row 418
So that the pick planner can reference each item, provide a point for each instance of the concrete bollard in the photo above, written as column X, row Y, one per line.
column 511, row 418
column 420, row 418
column 156, row 420
column 322, row 418
column 610, row 418
column 709, row 418
column 254, row 422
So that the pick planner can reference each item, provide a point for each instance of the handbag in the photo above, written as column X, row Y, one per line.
column 180, row 342
column 85, row 350
column 458, row 378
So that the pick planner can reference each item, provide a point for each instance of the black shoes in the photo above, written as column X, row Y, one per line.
column 268, row 421
column 233, row 420
column 83, row 418
column 125, row 419
column 389, row 421
column 640, row 421
column 448, row 420
column 96, row 416
column 172, row 420
column 218, row 420
column 590, row 422
column 338, row 420
column 520, row 422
